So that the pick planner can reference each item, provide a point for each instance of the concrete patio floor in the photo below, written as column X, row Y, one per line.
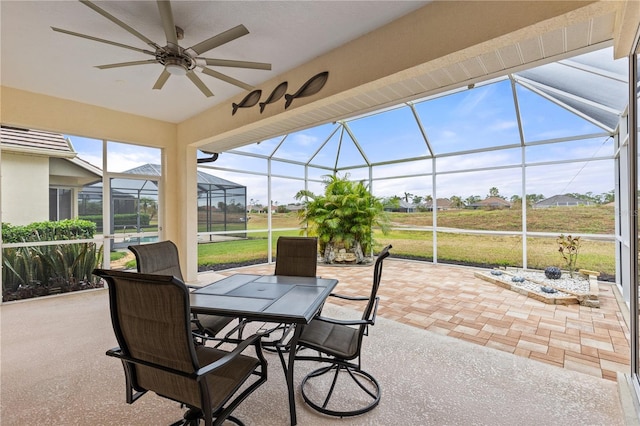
column 534, row 363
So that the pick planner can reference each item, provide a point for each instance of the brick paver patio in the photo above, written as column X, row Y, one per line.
column 449, row 300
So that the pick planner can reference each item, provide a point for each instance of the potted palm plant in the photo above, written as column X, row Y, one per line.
column 343, row 218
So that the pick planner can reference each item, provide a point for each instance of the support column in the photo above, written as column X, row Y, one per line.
column 179, row 199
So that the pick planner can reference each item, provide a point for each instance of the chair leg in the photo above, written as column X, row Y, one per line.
column 235, row 420
column 191, row 417
column 371, row 393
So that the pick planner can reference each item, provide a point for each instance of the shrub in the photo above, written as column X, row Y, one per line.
column 346, row 213
column 69, row 229
column 33, row 270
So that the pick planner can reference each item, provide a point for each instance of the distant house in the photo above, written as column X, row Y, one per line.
column 492, row 203
column 295, row 207
column 403, row 207
column 559, row 200
column 215, row 194
column 441, row 204
column 41, row 176
column 221, row 203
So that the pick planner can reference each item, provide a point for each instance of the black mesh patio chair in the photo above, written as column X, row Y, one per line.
column 339, row 343
column 162, row 258
column 151, row 321
column 297, row 256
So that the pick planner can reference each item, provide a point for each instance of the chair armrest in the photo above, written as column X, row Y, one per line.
column 251, row 340
column 369, row 321
column 117, row 353
column 341, row 321
column 201, row 372
column 346, row 297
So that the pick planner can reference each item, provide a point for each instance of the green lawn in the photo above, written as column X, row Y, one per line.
column 482, row 250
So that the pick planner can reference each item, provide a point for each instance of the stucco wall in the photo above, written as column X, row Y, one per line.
column 25, row 188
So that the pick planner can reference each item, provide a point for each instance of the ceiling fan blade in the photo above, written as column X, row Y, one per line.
column 199, row 84
column 113, row 43
column 220, row 39
column 119, row 23
column 127, row 64
column 236, row 64
column 162, row 80
column 167, row 22
column 226, row 78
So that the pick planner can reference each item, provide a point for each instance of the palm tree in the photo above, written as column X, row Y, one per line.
column 345, row 214
column 456, row 202
column 472, row 199
column 494, row 192
column 148, row 206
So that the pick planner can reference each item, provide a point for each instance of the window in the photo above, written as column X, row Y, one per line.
column 60, row 206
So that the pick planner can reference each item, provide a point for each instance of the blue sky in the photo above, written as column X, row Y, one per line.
column 478, row 118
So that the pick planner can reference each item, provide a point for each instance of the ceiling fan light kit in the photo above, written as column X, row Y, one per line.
column 175, row 59
column 177, row 66
column 175, row 69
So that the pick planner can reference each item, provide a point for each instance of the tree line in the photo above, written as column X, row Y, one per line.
column 460, row 202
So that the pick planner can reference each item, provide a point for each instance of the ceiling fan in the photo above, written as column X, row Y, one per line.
column 176, row 59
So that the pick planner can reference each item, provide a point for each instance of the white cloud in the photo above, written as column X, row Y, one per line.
column 304, row 139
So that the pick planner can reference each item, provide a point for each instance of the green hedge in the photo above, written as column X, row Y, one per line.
column 48, row 231
column 39, row 270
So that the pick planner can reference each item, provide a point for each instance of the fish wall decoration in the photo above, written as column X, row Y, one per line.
column 277, row 93
column 250, row 100
column 311, row 87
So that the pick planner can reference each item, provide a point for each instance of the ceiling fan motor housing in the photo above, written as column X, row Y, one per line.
column 175, row 62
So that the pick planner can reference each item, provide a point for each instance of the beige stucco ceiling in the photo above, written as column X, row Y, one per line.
column 283, row 33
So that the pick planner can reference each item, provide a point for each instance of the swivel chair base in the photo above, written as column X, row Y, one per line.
column 366, row 383
column 193, row 416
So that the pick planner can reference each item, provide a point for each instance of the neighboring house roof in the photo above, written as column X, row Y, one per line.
column 295, row 207
column 86, row 165
column 203, row 178
column 559, row 200
column 206, row 178
column 35, row 142
column 72, row 172
column 441, row 203
column 65, row 167
column 492, row 202
column 407, row 205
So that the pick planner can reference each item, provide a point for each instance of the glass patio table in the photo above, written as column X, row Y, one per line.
column 268, row 298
